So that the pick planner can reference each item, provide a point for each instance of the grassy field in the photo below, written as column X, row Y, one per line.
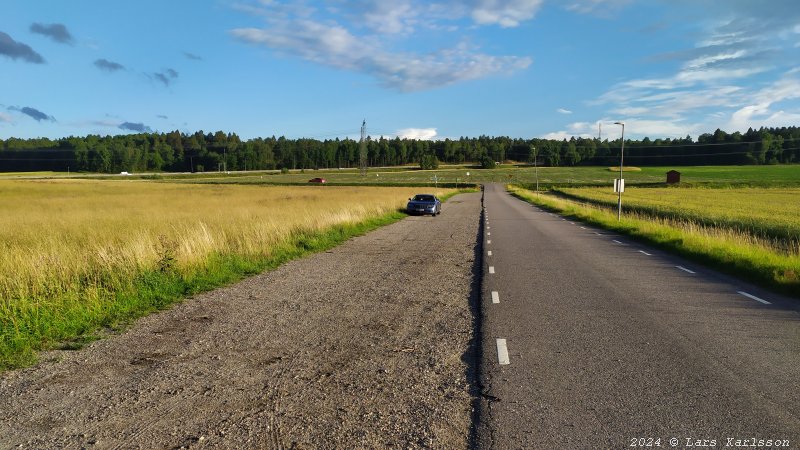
column 739, row 251
column 34, row 174
column 771, row 214
column 82, row 255
column 548, row 176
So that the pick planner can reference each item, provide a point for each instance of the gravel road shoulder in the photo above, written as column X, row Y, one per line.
column 369, row 345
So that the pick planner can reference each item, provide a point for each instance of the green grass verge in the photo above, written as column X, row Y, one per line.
column 726, row 253
column 76, row 323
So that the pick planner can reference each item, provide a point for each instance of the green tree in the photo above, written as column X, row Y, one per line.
column 428, row 162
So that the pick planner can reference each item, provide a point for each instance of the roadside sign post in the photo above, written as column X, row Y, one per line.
column 621, row 181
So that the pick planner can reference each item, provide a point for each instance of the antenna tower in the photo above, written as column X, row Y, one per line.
column 362, row 149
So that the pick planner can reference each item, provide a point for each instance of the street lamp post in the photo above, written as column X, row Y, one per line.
column 619, row 185
column 536, row 169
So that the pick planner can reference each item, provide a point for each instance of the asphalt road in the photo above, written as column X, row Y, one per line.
column 611, row 345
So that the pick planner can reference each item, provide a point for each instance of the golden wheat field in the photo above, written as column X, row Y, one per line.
column 80, row 254
column 54, row 233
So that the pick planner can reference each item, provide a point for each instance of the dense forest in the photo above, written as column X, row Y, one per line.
column 178, row 152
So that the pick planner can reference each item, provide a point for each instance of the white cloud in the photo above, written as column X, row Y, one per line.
column 756, row 112
column 558, row 135
column 634, row 127
column 335, row 46
column 5, row 117
column 366, row 36
column 601, row 7
column 577, row 127
column 506, row 13
column 426, row 134
column 391, row 17
column 721, row 82
column 563, row 111
column 706, row 60
column 658, row 128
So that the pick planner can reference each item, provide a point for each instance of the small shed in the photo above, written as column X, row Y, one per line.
column 673, row 177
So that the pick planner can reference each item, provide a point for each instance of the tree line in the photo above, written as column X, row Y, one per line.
column 180, row 152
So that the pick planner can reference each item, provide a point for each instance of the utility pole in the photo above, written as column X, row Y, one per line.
column 362, row 150
column 599, row 131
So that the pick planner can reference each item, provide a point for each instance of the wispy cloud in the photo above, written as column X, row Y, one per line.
column 161, row 116
column 602, row 8
column 33, row 113
column 563, row 111
column 192, row 56
column 504, row 13
column 18, row 50
column 334, row 44
column 722, row 82
column 166, row 77
column 109, row 66
column 757, row 111
column 55, row 31
column 392, row 17
column 5, row 117
column 137, row 127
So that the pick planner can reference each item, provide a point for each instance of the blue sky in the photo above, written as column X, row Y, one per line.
column 424, row 69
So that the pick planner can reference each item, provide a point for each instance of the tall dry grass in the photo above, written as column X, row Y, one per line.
column 67, row 246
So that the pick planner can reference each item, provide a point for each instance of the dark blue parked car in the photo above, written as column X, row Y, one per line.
column 424, row 204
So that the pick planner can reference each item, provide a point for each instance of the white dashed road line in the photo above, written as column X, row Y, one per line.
column 618, row 242
column 583, row 228
column 495, row 297
column 488, row 234
column 751, row 296
column 489, row 241
column 489, row 253
column 645, row 253
column 502, row 352
column 686, row 270
column 491, row 269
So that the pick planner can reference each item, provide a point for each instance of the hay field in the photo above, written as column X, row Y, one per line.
column 766, row 213
column 70, row 247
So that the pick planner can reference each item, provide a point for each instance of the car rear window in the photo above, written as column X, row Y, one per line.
column 424, row 198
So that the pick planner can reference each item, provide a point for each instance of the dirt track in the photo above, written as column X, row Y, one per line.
column 365, row 346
